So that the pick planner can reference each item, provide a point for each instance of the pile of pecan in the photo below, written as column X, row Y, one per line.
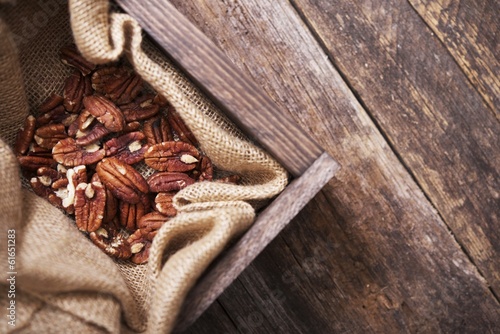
column 83, row 150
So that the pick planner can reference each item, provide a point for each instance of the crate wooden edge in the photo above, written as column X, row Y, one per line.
column 266, row 227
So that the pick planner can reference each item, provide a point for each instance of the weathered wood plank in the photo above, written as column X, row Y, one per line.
column 470, row 30
column 434, row 118
column 242, row 100
column 382, row 259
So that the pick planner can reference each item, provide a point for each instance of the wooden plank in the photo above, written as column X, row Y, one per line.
column 369, row 253
column 267, row 226
column 433, row 117
column 470, row 30
column 234, row 92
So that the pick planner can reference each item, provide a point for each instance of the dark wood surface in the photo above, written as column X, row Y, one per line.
column 406, row 237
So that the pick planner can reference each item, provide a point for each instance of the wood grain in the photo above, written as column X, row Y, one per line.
column 267, row 226
column 434, row 119
column 369, row 254
column 470, row 30
column 234, row 92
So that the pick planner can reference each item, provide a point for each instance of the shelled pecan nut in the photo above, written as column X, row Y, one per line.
column 180, row 127
column 42, row 187
column 25, row 135
column 168, row 181
column 32, row 163
column 139, row 247
column 90, row 200
column 131, row 127
column 172, row 156
column 111, row 240
column 71, row 57
column 127, row 148
column 117, row 83
column 140, row 109
column 68, row 153
column 122, row 180
column 92, row 135
column 131, row 213
column 157, row 130
column 111, row 207
column 164, row 204
column 150, row 223
column 206, row 169
column 49, row 135
column 76, row 87
column 105, row 111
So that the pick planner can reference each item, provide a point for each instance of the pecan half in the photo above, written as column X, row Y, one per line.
column 32, row 163
column 111, row 207
column 71, row 57
column 172, row 156
column 131, row 213
column 90, row 200
column 117, row 83
column 111, row 240
column 41, row 186
column 164, row 204
column 140, row 109
column 206, row 169
column 66, row 190
column 160, row 100
column 122, row 180
column 25, row 135
column 94, row 134
column 168, row 181
column 127, row 148
column 139, row 246
column 105, row 111
column 131, row 127
column 75, row 88
column 157, row 130
column 150, row 223
column 68, row 153
column 180, row 127
column 49, row 135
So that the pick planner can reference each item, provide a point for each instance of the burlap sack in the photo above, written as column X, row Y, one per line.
column 63, row 282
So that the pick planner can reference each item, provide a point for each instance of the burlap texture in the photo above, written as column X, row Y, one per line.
column 64, row 283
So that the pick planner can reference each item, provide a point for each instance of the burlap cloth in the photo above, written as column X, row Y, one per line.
column 63, row 282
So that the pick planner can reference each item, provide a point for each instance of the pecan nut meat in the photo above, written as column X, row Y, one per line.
column 164, row 204
column 157, row 130
column 105, row 111
column 32, row 163
column 140, row 109
column 90, row 200
column 76, row 88
column 172, row 156
column 91, row 136
column 180, row 127
column 168, row 181
column 119, row 84
column 127, row 148
column 25, row 135
column 49, row 135
column 131, row 213
column 69, row 153
column 71, row 57
column 111, row 240
column 122, row 180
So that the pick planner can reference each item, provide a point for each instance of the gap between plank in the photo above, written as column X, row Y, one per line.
column 358, row 98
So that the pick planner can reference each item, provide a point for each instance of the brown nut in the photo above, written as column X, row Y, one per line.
column 25, row 135
column 127, row 148
column 71, row 57
column 111, row 240
column 68, row 153
column 139, row 246
column 122, row 180
column 157, row 130
column 168, row 181
column 105, row 111
column 117, row 83
column 49, row 135
column 206, row 169
column 131, row 213
column 164, row 204
column 180, row 127
column 140, row 109
column 111, row 207
column 32, row 163
column 232, row 179
column 38, row 151
column 150, row 223
column 90, row 200
column 41, row 186
column 75, row 88
column 92, row 135
column 172, row 156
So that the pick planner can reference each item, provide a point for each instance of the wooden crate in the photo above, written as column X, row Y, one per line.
column 259, row 118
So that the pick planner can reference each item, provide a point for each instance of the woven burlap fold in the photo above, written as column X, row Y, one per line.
column 64, row 283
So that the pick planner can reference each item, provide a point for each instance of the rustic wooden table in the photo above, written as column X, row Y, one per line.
column 406, row 96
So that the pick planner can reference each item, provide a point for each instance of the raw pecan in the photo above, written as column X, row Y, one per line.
column 157, row 130
column 164, row 205
column 131, row 213
column 180, row 127
column 160, row 100
column 105, row 111
column 90, row 199
column 41, row 186
column 206, row 169
column 49, row 135
column 172, row 156
column 52, row 102
column 168, row 181
column 139, row 246
column 66, row 190
column 150, row 223
column 38, row 151
column 233, row 179
column 32, row 163
column 122, row 180
column 131, row 127
column 96, row 133
column 111, row 240
column 68, row 153
column 70, row 56
column 117, row 83
column 25, row 135
column 111, row 207
column 127, row 148
column 140, row 109
column 75, row 88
